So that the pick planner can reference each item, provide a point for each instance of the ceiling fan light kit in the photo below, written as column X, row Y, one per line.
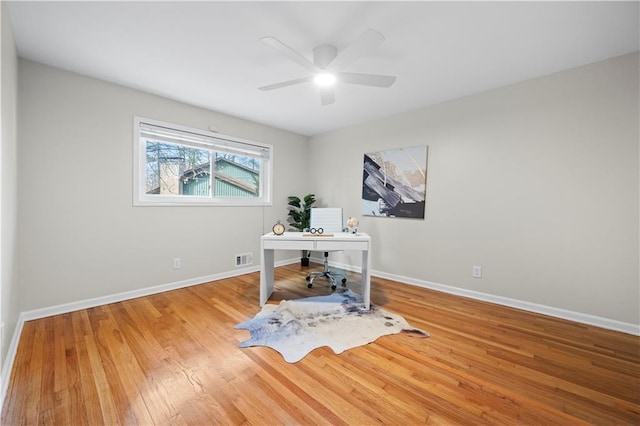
column 327, row 63
column 324, row 79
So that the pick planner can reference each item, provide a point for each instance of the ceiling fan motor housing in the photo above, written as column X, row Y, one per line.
column 323, row 55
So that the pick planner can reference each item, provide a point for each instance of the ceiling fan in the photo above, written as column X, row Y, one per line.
column 327, row 64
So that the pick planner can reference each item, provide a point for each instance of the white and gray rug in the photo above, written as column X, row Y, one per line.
column 296, row 327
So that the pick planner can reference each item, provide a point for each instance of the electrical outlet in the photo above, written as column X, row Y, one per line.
column 477, row 272
column 177, row 263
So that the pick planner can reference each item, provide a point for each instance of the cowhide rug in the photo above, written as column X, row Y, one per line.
column 296, row 327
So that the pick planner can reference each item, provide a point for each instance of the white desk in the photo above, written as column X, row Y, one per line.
column 298, row 241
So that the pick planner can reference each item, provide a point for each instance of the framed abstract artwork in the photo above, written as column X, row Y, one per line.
column 394, row 183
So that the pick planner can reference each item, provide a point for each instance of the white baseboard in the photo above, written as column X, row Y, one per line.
column 8, row 362
column 119, row 297
column 597, row 321
column 601, row 322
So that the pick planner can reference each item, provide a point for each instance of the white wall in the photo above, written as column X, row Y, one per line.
column 536, row 182
column 80, row 236
column 8, row 188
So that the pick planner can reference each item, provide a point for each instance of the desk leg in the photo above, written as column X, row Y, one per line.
column 366, row 279
column 266, row 275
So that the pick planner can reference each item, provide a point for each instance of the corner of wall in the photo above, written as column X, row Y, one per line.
column 9, row 306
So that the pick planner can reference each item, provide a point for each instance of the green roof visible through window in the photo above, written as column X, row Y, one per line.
column 173, row 167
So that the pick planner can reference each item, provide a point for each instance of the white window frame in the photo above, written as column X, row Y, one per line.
column 202, row 140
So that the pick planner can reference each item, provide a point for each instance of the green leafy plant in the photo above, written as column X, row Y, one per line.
column 300, row 211
column 300, row 214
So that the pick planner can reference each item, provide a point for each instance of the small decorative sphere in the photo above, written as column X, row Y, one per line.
column 353, row 222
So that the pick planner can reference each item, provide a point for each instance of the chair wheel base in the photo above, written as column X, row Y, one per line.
column 332, row 278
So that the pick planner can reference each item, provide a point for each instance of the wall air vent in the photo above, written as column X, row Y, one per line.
column 244, row 259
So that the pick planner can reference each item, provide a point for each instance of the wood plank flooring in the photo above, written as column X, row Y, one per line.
column 173, row 358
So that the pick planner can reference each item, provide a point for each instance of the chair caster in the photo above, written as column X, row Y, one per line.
column 309, row 285
column 344, row 281
column 333, row 287
column 308, row 277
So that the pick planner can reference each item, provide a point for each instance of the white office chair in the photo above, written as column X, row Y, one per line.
column 326, row 221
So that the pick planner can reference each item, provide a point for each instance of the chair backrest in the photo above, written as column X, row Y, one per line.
column 329, row 219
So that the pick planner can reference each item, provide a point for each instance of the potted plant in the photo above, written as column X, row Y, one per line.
column 300, row 214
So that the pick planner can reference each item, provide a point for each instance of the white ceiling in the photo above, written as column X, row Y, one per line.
column 209, row 54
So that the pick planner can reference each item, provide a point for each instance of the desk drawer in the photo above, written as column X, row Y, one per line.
column 342, row 245
column 289, row 245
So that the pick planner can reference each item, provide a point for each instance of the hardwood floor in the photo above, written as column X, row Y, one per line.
column 173, row 358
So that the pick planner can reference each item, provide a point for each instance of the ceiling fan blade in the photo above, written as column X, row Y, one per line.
column 327, row 95
column 290, row 53
column 366, row 79
column 287, row 83
column 357, row 48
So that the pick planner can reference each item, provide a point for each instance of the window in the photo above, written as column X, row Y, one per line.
column 175, row 165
